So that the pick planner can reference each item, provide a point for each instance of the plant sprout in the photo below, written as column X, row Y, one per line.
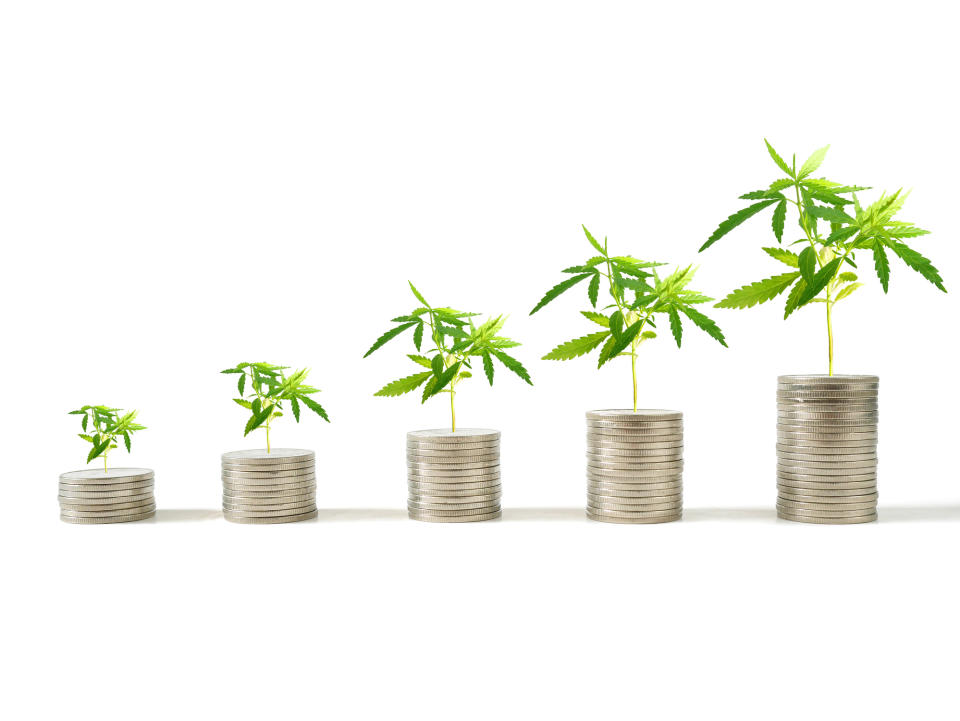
column 267, row 389
column 638, row 295
column 103, row 426
column 453, row 341
column 821, row 274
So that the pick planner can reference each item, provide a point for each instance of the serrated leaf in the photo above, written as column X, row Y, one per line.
column 417, row 294
column 834, row 215
column 420, row 360
column 598, row 318
column 126, row 441
column 577, row 347
column 315, row 407
column 676, row 327
column 599, row 248
column 437, row 365
column 919, row 263
column 616, row 323
column 443, row 380
column 784, row 256
column 245, row 404
column 418, row 336
column 403, row 385
column 759, row 292
column 295, row 406
column 593, row 290
column 736, row 219
column 807, row 262
column 846, row 277
column 794, row 298
column 488, row 366
column 820, row 280
column 882, row 265
column 620, row 344
column 847, row 291
column 777, row 159
column 779, row 218
column 83, row 423
column 558, row 289
column 392, row 333
column 708, row 325
column 513, row 364
column 813, row 162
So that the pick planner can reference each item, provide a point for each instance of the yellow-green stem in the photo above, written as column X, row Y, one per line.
column 633, row 369
column 104, row 462
column 268, row 439
column 830, row 332
column 453, row 412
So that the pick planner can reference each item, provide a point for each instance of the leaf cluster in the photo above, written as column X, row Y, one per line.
column 264, row 389
column 834, row 228
column 448, row 343
column 638, row 298
column 103, row 426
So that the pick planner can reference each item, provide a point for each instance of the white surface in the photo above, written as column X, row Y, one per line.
column 186, row 185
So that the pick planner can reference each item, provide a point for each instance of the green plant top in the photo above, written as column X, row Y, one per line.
column 447, row 343
column 103, row 426
column 264, row 388
column 819, row 271
column 638, row 296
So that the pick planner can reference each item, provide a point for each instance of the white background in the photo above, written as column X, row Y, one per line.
column 186, row 185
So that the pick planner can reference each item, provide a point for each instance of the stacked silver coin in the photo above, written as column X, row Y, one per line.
column 453, row 476
column 118, row 495
column 275, row 487
column 827, row 448
column 634, row 466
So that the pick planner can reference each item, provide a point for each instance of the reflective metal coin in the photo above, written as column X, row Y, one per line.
column 641, row 415
column 276, row 455
column 669, row 492
column 826, row 488
column 427, row 516
column 830, row 521
column 234, row 518
column 102, row 508
column 611, row 519
column 442, row 435
column 869, row 447
column 827, row 380
column 97, row 499
column 595, row 464
column 787, row 504
column 439, row 506
column 113, row 475
column 430, row 446
column 301, row 506
column 454, row 462
column 64, row 513
column 635, row 477
column 105, row 487
column 247, row 502
column 111, row 519
column 642, row 446
column 233, row 513
column 821, row 514
column 452, row 477
column 460, row 453
column 823, row 478
column 652, row 454
column 835, row 458
column 603, row 506
column 813, row 498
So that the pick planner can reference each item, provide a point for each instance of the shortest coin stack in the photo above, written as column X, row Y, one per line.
column 827, row 449
column 453, row 476
column 275, row 487
column 118, row 495
column 634, row 466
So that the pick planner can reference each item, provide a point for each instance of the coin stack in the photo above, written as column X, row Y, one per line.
column 634, row 466
column 453, row 476
column 275, row 487
column 118, row 495
column 827, row 448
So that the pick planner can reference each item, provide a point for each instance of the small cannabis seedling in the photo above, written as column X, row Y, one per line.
column 453, row 341
column 103, row 426
column 639, row 294
column 267, row 389
column 821, row 274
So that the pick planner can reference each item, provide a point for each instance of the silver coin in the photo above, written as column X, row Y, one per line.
column 104, row 487
column 111, row 519
column 103, row 507
column 113, row 475
column 598, row 465
column 270, row 482
column 453, row 495
column 270, row 469
column 488, row 499
column 454, row 512
column 854, row 396
column 455, row 454
column 598, row 435
column 658, row 453
column 307, row 470
column 97, row 500
column 642, row 415
column 828, row 521
column 634, row 429
column 603, row 506
column 64, row 513
column 231, row 492
column 821, row 514
column 825, row 488
column 837, row 439
column 594, row 490
column 233, row 518
column 827, row 458
column 269, row 514
column 826, row 428
column 816, row 400
column 635, row 477
column 837, row 468
column 461, row 435
column 455, row 447
column 276, row 455
column 302, row 506
column 247, row 502
column 452, row 476
column 636, row 521
column 604, row 513
column 641, row 446
column 454, row 462
column 452, row 468
column 787, row 505
column 833, row 378
column 814, row 498
column 454, row 482
column 815, row 478
column 817, row 417
column 439, row 505
column 869, row 447
column 430, row 518
column 453, row 487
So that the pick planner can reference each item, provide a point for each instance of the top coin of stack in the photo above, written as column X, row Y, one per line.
column 118, row 495
column 275, row 487
column 453, row 476
column 827, row 448
column 634, row 466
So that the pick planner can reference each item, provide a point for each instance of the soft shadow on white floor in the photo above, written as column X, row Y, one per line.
column 544, row 514
column 362, row 514
column 186, row 514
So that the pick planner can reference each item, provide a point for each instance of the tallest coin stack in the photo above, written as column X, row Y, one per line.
column 827, row 448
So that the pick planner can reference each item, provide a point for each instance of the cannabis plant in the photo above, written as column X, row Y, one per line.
column 264, row 388
column 638, row 296
column 823, row 270
column 448, row 342
column 103, row 427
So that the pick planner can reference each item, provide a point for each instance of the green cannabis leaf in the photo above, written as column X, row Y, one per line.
column 103, row 426
column 638, row 296
column 263, row 388
column 821, row 274
column 453, row 342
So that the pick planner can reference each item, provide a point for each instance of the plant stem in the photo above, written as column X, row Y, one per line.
column 633, row 368
column 830, row 332
column 268, row 439
column 104, row 462
column 453, row 412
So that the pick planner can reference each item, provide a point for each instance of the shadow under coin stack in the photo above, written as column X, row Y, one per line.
column 118, row 495
column 634, row 466
column 275, row 487
column 453, row 476
column 827, row 448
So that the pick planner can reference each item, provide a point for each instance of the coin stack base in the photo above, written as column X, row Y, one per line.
column 634, row 466
column 453, row 476
column 275, row 487
column 827, row 448
column 118, row 495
